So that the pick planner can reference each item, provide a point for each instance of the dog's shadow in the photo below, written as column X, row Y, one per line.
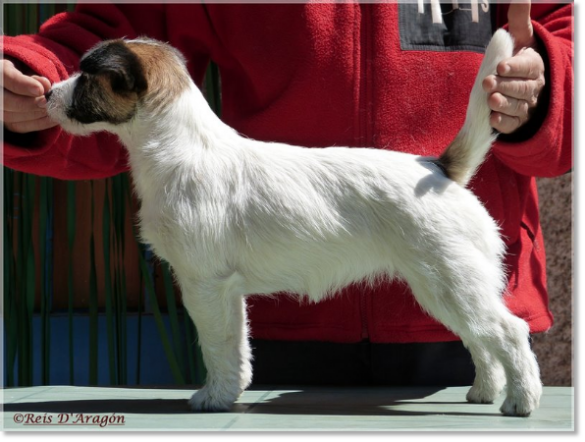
column 435, row 180
column 362, row 402
column 312, row 401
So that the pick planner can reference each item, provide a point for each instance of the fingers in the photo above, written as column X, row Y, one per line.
column 527, row 63
column 508, row 113
column 22, row 114
column 515, row 90
column 22, row 103
column 503, row 123
column 30, row 125
column 23, row 106
column 19, row 117
column 511, row 109
column 20, row 84
column 510, row 106
column 527, row 90
column 513, row 101
column 44, row 82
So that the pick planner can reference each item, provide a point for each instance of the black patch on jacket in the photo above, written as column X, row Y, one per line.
column 456, row 32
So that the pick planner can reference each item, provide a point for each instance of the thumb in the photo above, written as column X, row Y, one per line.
column 519, row 24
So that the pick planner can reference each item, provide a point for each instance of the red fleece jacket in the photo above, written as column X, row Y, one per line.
column 323, row 75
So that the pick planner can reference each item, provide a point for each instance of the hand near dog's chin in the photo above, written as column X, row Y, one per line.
column 24, row 104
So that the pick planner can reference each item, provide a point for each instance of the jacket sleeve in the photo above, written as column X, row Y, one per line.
column 54, row 53
column 544, row 147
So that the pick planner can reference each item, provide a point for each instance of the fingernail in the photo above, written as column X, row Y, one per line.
column 42, row 102
column 36, row 91
column 506, row 69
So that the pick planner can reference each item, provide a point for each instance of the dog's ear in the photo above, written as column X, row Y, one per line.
column 119, row 63
column 127, row 80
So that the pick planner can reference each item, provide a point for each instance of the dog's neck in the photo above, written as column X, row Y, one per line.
column 187, row 120
column 162, row 143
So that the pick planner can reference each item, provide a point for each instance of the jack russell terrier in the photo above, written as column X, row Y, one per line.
column 235, row 217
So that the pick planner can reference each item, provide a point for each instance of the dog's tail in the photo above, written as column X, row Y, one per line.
column 466, row 153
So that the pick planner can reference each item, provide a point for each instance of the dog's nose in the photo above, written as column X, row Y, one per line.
column 48, row 94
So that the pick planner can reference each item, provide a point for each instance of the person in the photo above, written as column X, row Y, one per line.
column 390, row 76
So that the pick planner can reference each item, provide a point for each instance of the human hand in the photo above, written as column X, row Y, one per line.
column 23, row 107
column 515, row 90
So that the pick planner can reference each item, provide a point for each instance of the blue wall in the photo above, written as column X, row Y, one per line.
column 154, row 369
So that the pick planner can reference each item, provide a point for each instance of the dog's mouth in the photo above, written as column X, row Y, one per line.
column 54, row 108
column 58, row 98
column 59, row 110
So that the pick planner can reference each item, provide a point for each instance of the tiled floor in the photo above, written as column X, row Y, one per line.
column 330, row 409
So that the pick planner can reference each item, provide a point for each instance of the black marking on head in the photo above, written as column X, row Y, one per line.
column 91, row 103
column 110, row 85
column 123, row 66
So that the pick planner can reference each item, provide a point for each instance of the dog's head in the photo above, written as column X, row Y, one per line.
column 117, row 79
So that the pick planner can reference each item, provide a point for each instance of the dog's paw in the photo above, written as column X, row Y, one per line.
column 477, row 395
column 521, row 403
column 486, row 390
column 209, row 399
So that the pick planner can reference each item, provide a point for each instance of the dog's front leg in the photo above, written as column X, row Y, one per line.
column 219, row 314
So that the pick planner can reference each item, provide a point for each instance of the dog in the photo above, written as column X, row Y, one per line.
column 235, row 217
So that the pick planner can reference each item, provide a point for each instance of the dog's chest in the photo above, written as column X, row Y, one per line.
column 161, row 236
column 165, row 231
column 184, row 233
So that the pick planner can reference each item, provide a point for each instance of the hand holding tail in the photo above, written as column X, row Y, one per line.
column 466, row 153
column 514, row 92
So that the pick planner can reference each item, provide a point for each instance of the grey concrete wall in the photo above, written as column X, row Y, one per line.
column 554, row 348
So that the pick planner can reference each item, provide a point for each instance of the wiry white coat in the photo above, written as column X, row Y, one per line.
column 234, row 216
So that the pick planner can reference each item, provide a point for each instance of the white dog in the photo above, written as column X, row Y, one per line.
column 234, row 217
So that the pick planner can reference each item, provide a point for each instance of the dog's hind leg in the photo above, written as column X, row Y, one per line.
column 508, row 342
column 469, row 304
column 219, row 314
column 490, row 378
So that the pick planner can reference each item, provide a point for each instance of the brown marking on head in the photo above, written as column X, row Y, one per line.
column 164, row 69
